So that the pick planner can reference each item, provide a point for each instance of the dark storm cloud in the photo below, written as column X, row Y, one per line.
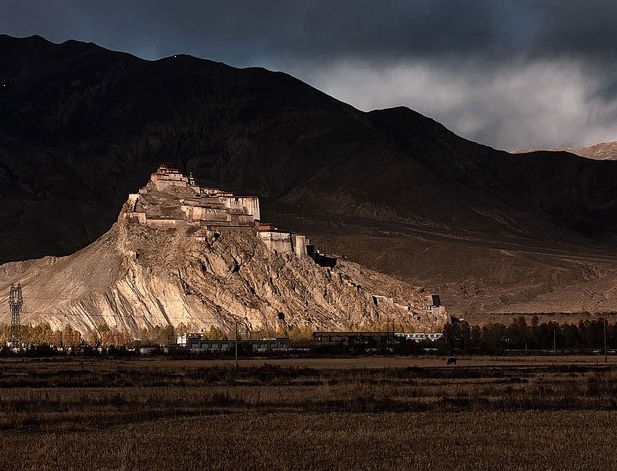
column 241, row 32
column 512, row 73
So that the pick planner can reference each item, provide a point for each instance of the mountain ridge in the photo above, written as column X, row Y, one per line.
column 82, row 127
column 599, row 151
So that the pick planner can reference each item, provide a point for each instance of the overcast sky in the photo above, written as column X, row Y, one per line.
column 509, row 73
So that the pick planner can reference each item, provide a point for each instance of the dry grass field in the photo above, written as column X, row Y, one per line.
column 407, row 413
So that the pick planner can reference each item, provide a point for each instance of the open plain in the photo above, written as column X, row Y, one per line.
column 552, row 412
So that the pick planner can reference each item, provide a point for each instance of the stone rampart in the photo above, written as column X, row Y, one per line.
column 163, row 223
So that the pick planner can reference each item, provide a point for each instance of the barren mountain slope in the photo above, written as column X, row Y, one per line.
column 81, row 127
column 477, row 273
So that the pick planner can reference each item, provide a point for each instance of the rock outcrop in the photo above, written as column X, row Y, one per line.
column 199, row 274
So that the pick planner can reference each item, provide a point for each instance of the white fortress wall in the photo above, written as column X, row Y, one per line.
column 200, row 213
column 299, row 244
column 277, row 240
column 162, row 185
column 250, row 204
column 132, row 200
column 241, row 219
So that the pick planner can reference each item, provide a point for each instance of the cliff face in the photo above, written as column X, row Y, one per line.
column 139, row 276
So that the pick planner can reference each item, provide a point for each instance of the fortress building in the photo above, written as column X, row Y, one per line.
column 171, row 199
column 166, row 178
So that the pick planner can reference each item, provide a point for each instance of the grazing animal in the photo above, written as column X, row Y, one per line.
column 451, row 361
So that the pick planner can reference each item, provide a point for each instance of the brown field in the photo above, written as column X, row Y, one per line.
column 406, row 413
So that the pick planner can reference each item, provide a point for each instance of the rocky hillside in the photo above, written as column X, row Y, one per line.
column 136, row 276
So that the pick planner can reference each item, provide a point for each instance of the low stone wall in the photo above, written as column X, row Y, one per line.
column 163, row 223
column 136, row 217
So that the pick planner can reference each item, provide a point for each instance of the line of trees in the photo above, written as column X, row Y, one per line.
column 497, row 337
column 104, row 336
column 460, row 336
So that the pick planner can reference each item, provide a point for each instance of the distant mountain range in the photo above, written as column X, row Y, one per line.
column 81, row 127
column 601, row 151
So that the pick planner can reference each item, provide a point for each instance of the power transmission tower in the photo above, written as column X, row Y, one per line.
column 16, row 301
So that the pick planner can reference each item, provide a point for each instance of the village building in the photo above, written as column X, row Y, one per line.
column 367, row 339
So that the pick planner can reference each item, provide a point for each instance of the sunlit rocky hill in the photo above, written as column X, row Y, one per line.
column 179, row 254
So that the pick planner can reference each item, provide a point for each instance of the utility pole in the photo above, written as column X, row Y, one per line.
column 16, row 301
column 605, row 351
column 236, row 326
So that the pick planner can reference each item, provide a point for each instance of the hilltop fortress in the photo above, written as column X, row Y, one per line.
column 172, row 200
column 181, row 254
column 209, row 208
